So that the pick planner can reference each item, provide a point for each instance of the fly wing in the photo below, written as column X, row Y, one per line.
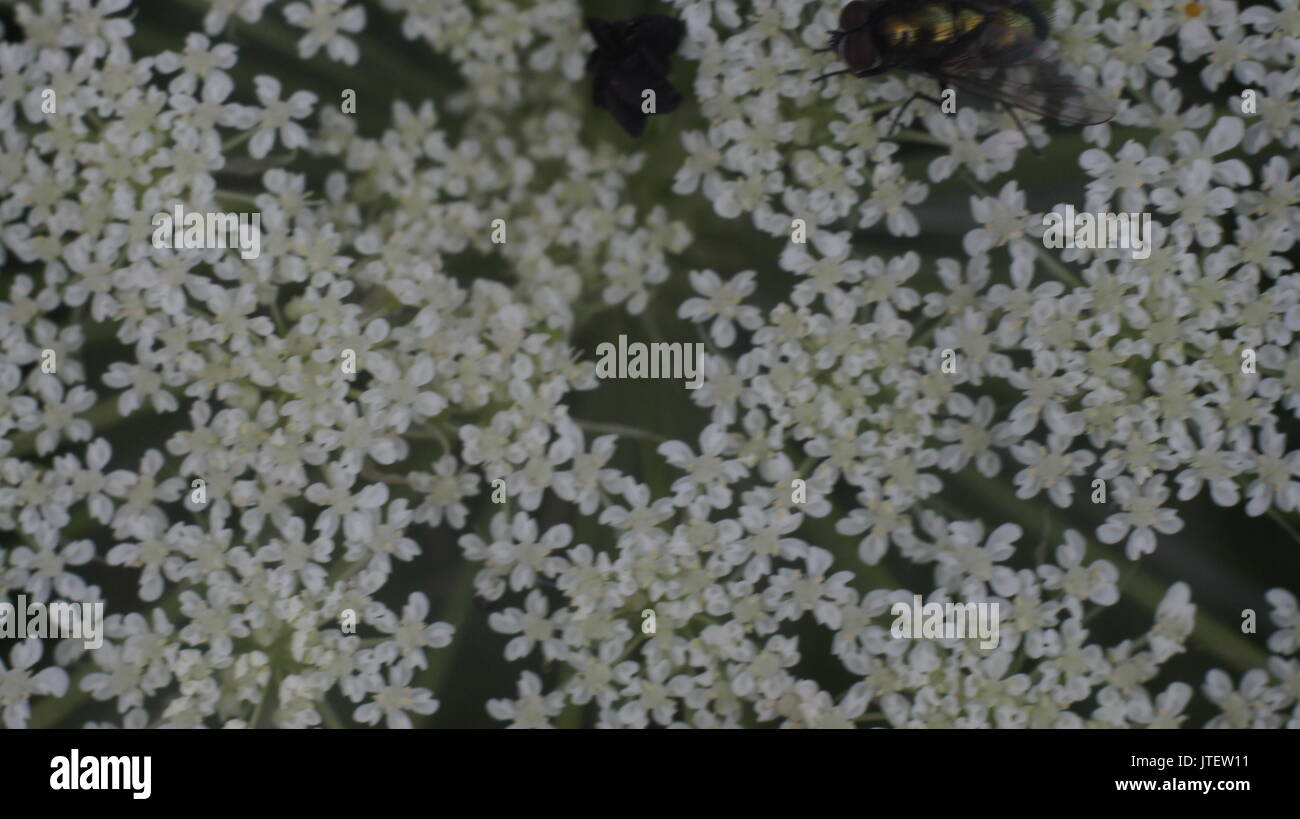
column 1037, row 87
column 1005, row 61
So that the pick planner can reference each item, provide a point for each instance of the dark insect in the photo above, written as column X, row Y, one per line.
column 631, row 57
column 12, row 32
column 994, row 49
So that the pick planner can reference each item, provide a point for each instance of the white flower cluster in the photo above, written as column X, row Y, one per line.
column 321, row 486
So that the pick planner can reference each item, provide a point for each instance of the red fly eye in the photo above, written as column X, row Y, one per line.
column 855, row 15
column 858, row 51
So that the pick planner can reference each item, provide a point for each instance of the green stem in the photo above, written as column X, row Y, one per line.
column 620, row 429
column 254, row 722
column 1209, row 634
column 456, row 613
column 330, row 716
column 1061, row 271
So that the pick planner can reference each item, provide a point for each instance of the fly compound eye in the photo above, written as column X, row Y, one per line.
column 858, row 51
column 855, row 15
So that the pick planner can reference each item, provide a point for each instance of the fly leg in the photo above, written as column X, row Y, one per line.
column 943, row 86
column 864, row 72
column 836, row 35
column 1016, row 119
column 899, row 114
column 832, row 74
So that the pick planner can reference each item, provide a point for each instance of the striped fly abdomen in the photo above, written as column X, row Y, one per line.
column 996, row 50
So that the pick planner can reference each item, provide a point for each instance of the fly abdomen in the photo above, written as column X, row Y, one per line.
column 923, row 31
column 935, row 21
column 965, row 21
column 1009, row 35
column 994, row 49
